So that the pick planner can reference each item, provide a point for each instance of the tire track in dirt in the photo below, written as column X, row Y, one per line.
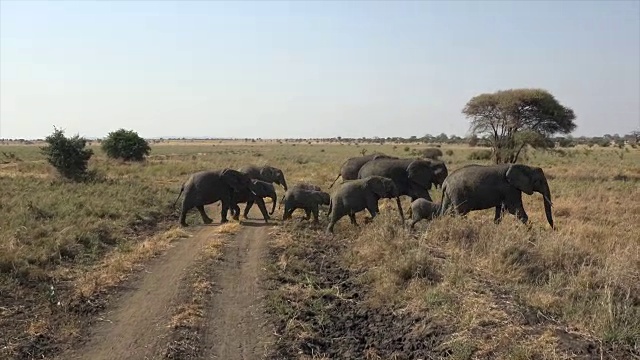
column 136, row 327
column 236, row 326
column 136, row 324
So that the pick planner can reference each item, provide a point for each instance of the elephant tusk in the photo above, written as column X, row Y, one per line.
column 547, row 200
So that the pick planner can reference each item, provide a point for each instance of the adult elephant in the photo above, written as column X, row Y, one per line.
column 349, row 169
column 206, row 187
column 479, row 187
column 266, row 173
column 412, row 177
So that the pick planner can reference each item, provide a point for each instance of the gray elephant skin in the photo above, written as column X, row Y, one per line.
column 261, row 189
column 479, row 187
column 357, row 195
column 349, row 169
column 309, row 200
column 423, row 209
column 266, row 173
column 207, row 187
column 302, row 185
column 412, row 177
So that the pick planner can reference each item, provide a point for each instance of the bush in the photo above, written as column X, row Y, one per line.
column 126, row 145
column 432, row 153
column 473, row 140
column 68, row 155
column 480, row 155
column 449, row 152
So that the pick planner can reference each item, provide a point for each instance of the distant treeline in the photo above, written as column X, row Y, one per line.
column 606, row 140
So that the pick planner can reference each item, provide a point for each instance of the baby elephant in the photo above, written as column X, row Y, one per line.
column 304, row 186
column 309, row 200
column 423, row 209
column 356, row 195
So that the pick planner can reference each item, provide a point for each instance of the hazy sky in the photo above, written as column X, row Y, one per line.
column 308, row 68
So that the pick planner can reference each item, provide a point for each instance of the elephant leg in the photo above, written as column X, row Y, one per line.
column 315, row 214
column 307, row 214
column 352, row 216
column 206, row 219
column 263, row 209
column 518, row 211
column 183, row 216
column 247, row 208
column 372, row 207
column 224, row 209
column 498, row 216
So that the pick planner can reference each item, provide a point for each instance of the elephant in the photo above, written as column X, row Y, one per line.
column 356, row 195
column 209, row 186
column 309, row 200
column 262, row 189
column 412, row 177
column 266, row 173
column 305, row 186
column 349, row 169
column 423, row 209
column 479, row 187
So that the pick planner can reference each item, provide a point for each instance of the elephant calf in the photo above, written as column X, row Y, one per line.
column 356, row 195
column 261, row 189
column 423, row 209
column 302, row 185
column 309, row 200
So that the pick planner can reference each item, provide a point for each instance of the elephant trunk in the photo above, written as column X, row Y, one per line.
column 274, row 199
column 546, row 194
column 283, row 182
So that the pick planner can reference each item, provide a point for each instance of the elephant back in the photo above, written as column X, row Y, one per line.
column 394, row 169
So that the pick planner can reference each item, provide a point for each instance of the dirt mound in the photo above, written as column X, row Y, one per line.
column 316, row 303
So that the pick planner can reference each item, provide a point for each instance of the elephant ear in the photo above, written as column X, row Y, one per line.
column 267, row 173
column 517, row 176
column 376, row 185
column 420, row 172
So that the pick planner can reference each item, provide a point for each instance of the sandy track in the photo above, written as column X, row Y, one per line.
column 135, row 327
column 236, row 327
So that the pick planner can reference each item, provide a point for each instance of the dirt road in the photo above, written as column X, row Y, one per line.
column 136, row 324
column 236, row 328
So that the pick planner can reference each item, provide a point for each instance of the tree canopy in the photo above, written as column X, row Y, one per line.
column 504, row 114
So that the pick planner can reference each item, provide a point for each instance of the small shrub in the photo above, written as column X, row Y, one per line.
column 449, row 152
column 406, row 149
column 480, row 155
column 473, row 141
column 126, row 145
column 432, row 153
column 68, row 155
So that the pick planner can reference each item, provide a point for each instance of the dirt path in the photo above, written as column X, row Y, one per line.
column 136, row 326
column 236, row 327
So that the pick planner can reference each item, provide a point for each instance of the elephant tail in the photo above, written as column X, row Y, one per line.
column 334, row 181
column 340, row 173
column 181, row 191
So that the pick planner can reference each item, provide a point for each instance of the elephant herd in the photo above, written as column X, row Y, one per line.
column 366, row 180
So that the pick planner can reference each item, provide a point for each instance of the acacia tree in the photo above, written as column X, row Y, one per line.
column 513, row 118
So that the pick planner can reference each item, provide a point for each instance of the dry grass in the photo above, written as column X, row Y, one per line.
column 581, row 279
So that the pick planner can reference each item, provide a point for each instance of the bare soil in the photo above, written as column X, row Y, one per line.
column 236, row 327
column 332, row 321
column 136, row 324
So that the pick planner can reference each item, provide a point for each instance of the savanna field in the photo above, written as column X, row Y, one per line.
column 458, row 288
